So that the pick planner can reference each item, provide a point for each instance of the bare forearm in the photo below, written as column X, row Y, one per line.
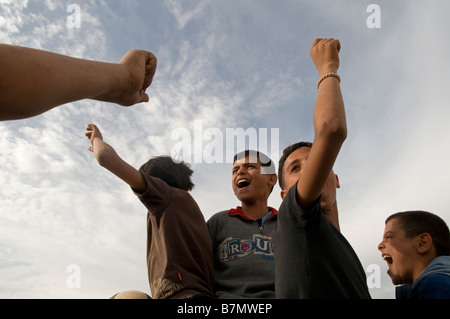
column 34, row 81
column 329, row 123
column 108, row 158
column 329, row 112
column 105, row 155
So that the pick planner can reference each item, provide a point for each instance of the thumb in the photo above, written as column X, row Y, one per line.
column 143, row 97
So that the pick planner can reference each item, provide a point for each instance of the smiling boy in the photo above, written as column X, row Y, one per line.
column 416, row 248
column 244, row 264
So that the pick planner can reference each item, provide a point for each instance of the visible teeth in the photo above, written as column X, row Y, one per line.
column 387, row 258
column 243, row 182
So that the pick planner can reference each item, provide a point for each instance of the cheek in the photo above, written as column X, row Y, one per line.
column 233, row 183
column 328, row 194
column 401, row 258
column 289, row 181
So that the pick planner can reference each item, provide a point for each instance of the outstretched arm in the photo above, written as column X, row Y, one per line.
column 330, row 126
column 34, row 81
column 108, row 158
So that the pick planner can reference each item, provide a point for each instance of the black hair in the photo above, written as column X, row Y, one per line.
column 415, row 223
column 266, row 162
column 287, row 151
column 174, row 174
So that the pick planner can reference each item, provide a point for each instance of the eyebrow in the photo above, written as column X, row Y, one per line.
column 388, row 232
column 244, row 164
column 294, row 162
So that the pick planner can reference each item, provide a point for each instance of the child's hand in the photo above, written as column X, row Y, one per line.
column 107, row 157
column 92, row 134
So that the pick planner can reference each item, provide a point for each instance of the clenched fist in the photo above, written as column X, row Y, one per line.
column 325, row 55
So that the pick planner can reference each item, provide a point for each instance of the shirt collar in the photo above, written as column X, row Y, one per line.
column 238, row 212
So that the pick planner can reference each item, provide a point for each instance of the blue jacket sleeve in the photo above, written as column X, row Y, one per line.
column 436, row 286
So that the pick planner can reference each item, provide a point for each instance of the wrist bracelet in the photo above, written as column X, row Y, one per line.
column 323, row 77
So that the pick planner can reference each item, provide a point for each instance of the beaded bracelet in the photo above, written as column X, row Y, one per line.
column 323, row 77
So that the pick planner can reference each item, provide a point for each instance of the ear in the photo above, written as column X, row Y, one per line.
column 273, row 179
column 337, row 181
column 424, row 243
column 283, row 194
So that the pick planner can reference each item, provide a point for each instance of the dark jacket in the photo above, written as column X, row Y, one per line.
column 433, row 282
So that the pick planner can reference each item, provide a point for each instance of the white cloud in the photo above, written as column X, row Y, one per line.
column 225, row 65
column 395, row 156
column 184, row 16
column 58, row 207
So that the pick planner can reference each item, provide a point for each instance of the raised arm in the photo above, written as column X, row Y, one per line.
column 330, row 126
column 108, row 158
column 34, row 81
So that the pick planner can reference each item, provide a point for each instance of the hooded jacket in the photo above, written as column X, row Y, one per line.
column 433, row 282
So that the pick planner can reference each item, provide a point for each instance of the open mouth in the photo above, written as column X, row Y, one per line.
column 387, row 258
column 243, row 182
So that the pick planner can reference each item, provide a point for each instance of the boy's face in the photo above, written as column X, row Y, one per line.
column 399, row 252
column 293, row 170
column 248, row 183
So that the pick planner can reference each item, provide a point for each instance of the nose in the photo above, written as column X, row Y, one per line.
column 381, row 246
column 241, row 170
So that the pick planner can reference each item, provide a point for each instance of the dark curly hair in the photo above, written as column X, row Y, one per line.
column 174, row 174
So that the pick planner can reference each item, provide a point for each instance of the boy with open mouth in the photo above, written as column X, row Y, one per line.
column 416, row 248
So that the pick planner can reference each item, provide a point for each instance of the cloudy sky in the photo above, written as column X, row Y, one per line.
column 70, row 229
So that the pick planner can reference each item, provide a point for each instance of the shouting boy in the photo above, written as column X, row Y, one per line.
column 416, row 247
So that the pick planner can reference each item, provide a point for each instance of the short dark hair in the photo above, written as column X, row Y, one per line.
column 174, row 174
column 415, row 223
column 266, row 162
column 287, row 151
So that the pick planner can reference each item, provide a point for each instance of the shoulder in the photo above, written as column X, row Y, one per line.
column 215, row 224
column 217, row 217
column 434, row 286
column 292, row 213
column 157, row 193
column 154, row 185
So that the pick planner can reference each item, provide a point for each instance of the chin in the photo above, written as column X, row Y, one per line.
column 396, row 278
column 397, row 281
column 324, row 206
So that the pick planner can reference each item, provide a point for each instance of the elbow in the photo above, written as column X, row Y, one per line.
column 335, row 131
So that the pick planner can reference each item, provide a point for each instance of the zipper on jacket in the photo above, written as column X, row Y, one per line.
column 260, row 227
column 262, row 221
